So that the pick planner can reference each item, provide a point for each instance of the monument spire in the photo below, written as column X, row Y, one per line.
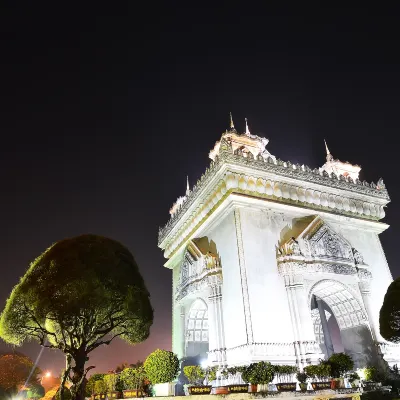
column 232, row 125
column 328, row 153
column 247, row 128
column 187, row 185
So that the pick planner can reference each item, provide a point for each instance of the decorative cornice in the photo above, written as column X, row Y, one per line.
column 302, row 174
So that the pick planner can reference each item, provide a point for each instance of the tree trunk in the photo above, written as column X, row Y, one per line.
column 78, row 377
column 65, row 375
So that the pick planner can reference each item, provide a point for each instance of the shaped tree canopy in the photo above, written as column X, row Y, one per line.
column 389, row 317
column 77, row 295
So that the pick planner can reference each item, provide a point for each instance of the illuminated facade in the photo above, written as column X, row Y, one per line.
column 275, row 261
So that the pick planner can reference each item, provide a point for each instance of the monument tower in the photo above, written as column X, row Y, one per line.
column 277, row 261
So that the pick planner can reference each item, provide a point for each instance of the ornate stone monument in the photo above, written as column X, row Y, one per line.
column 276, row 261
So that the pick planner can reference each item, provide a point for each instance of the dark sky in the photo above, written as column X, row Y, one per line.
column 105, row 110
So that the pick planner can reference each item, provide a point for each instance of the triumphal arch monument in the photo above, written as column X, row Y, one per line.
column 277, row 261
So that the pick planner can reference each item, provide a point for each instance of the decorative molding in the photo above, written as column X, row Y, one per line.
column 243, row 277
column 300, row 173
column 177, row 232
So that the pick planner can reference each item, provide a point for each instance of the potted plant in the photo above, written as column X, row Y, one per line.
column 100, row 390
column 259, row 375
column 235, row 383
column 162, row 367
column 320, row 375
column 195, row 375
column 340, row 364
column 285, row 375
column 302, row 378
column 133, row 379
column 110, row 380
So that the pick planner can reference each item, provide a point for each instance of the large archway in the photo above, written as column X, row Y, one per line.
column 197, row 329
column 346, row 325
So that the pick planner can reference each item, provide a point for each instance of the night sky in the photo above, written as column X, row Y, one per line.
column 104, row 111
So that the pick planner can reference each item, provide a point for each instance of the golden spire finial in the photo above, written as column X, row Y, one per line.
column 247, row 128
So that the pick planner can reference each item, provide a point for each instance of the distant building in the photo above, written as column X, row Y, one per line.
column 275, row 261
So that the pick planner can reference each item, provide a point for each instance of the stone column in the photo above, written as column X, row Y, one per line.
column 183, row 331
column 216, row 324
column 365, row 289
column 303, row 332
column 327, row 335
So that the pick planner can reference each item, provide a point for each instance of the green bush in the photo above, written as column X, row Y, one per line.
column 321, row 371
column 211, row 373
column 133, row 378
column 161, row 366
column 110, row 381
column 301, row 377
column 89, row 389
column 35, row 392
column 195, row 374
column 259, row 373
column 284, row 372
column 100, row 387
column 340, row 363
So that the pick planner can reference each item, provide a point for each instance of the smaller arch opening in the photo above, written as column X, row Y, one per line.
column 197, row 329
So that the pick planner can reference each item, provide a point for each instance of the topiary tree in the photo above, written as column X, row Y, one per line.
column 340, row 364
column 195, row 374
column 320, row 371
column 133, row 378
column 79, row 294
column 260, row 373
column 110, row 381
column 161, row 366
column 389, row 316
column 100, row 387
column 89, row 388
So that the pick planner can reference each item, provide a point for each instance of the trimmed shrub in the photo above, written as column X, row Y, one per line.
column 195, row 374
column 259, row 373
column 340, row 363
column 161, row 366
column 321, row 371
column 100, row 387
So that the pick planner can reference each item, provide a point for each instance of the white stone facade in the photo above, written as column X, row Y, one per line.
column 257, row 241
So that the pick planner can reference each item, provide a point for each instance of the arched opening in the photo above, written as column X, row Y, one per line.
column 340, row 324
column 197, row 329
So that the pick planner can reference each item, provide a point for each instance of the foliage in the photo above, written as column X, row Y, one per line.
column 89, row 389
column 133, row 378
column 340, row 364
column 259, row 373
column 301, row 377
column 375, row 374
column 353, row 377
column 211, row 373
column 110, row 381
column 284, row 373
column 66, row 395
column 122, row 366
column 79, row 294
column 35, row 392
column 161, row 366
column 119, row 386
column 100, row 387
column 195, row 374
column 321, row 371
column 389, row 316
column 15, row 370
